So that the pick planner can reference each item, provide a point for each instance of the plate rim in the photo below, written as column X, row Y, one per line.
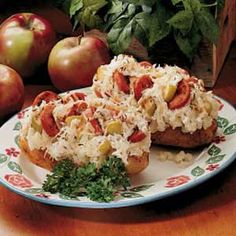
column 124, row 203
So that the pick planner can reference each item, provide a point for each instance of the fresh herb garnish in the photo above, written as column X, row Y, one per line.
column 97, row 184
column 187, row 21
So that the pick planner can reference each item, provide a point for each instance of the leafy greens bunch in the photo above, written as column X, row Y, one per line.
column 188, row 21
column 97, row 184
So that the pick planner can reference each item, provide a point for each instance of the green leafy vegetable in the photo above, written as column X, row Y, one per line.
column 120, row 35
column 88, row 14
column 220, row 4
column 140, row 2
column 207, row 25
column 187, row 21
column 97, row 184
column 182, row 20
column 175, row 2
column 75, row 6
column 188, row 43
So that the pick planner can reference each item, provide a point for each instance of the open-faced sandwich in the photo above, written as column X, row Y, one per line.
column 179, row 110
column 85, row 130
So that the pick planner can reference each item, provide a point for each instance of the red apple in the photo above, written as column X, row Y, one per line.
column 11, row 91
column 26, row 40
column 73, row 61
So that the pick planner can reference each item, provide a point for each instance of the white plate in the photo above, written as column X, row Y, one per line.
column 159, row 180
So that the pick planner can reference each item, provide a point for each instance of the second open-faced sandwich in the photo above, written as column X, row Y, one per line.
column 178, row 109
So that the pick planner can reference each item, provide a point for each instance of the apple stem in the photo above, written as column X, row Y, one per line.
column 82, row 29
column 79, row 39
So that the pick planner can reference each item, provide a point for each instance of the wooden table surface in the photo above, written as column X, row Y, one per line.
column 209, row 209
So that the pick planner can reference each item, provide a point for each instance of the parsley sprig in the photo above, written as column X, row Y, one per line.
column 187, row 21
column 97, row 184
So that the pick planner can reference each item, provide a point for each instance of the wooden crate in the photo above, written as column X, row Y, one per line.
column 208, row 63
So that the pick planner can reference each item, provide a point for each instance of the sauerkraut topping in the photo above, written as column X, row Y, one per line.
column 77, row 139
column 198, row 112
column 181, row 158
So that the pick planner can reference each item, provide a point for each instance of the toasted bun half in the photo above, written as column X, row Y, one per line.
column 38, row 157
column 175, row 137
column 135, row 165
